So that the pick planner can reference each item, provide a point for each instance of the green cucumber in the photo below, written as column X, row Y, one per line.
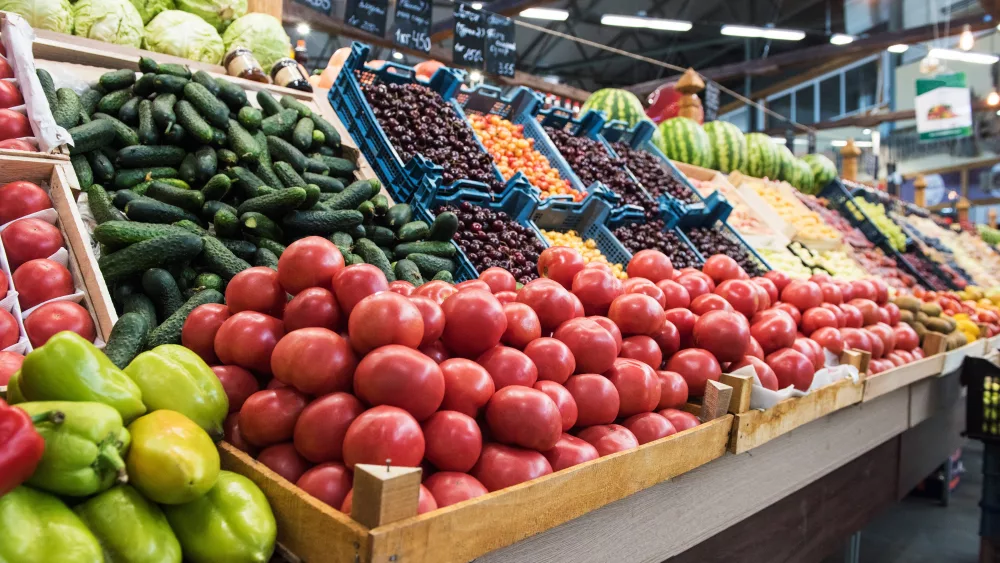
column 250, row 118
column 316, row 166
column 176, row 136
column 266, row 258
column 340, row 167
column 212, row 207
column 241, row 248
column 216, row 187
column 280, row 124
column 123, row 233
column 245, row 180
column 321, row 222
column 144, row 85
column 381, row 236
column 117, row 80
column 373, row 255
column 352, row 259
column 381, row 203
column 413, row 231
column 243, row 143
column 330, row 134
column 169, row 331
column 101, row 206
column 302, row 135
column 188, row 169
column 89, row 101
column 83, row 170
column 318, row 137
column 206, row 164
column 151, row 210
column 191, row 227
column 326, row 184
column 430, row 265
column 433, row 248
column 276, row 204
column 148, row 65
column 169, row 84
column 399, row 215
column 148, row 134
column 208, row 281
column 260, row 225
column 267, row 103
column 291, row 103
column 352, row 196
column 67, row 109
column 444, row 227
column 227, row 224
column 91, row 136
column 112, row 103
column 220, row 260
column 162, row 289
column 128, row 338
column 211, row 108
column 174, row 69
column 104, row 170
column 128, row 178
column 288, row 176
column 312, row 196
column 139, row 156
column 206, row 80
column 266, row 173
column 125, row 136
column 49, row 87
column 122, row 197
column 192, row 121
column 129, row 113
column 192, row 200
column 445, row 276
column 226, row 158
column 276, row 247
column 142, row 305
column 163, row 111
column 141, row 256
column 231, row 94
column 406, row 270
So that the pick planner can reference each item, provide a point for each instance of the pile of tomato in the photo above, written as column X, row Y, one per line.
column 14, row 124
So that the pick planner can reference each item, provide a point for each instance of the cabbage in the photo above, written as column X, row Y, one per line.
column 149, row 8
column 53, row 15
column 111, row 21
column 262, row 34
column 219, row 13
column 184, row 35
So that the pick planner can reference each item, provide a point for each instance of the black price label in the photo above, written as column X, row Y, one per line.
column 470, row 36
column 501, row 45
column 367, row 15
column 711, row 101
column 412, row 25
column 321, row 6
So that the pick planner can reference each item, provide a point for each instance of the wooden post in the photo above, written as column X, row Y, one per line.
column 384, row 494
column 269, row 7
column 858, row 359
column 715, row 403
column 919, row 191
column 850, row 154
column 962, row 207
column 690, row 105
column 934, row 343
column 991, row 218
column 742, row 386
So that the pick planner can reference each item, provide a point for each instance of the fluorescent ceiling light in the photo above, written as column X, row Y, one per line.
column 397, row 55
column 860, row 144
column 866, row 131
column 780, row 140
column 975, row 58
column 477, row 5
column 765, row 32
column 475, row 76
column 841, row 39
column 898, row 48
column 545, row 14
column 647, row 23
column 302, row 28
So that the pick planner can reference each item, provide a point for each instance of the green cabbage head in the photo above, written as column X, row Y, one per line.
column 262, row 34
column 149, row 8
column 219, row 13
column 53, row 15
column 185, row 35
column 111, row 21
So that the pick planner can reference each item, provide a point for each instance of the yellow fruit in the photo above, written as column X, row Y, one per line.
column 587, row 248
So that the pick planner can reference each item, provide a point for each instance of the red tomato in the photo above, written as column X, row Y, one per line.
column 200, row 328
column 473, row 284
column 649, row 426
column 467, row 386
column 769, row 287
column 433, row 318
column 328, row 483
column 10, row 96
column 231, row 433
column 553, row 360
column 652, row 265
column 644, row 349
column 284, row 460
column 881, row 291
column 13, row 124
column 314, row 360
column 812, row 350
column 385, row 318
column 499, row 280
column 764, row 372
column 502, row 466
column 829, row 338
column 5, row 69
column 39, row 280
column 684, row 321
column 402, row 377
column 4, row 286
column 453, row 441
column 878, row 347
column 906, row 337
column 673, row 389
column 256, row 289
column 54, row 317
column 563, row 400
column 560, row 263
column 597, row 266
column 522, row 325
column 645, row 287
column 596, row 289
column 525, row 417
column 238, row 384
column 597, row 399
column 696, row 366
column 868, row 308
column 846, row 290
column 551, row 302
column 886, row 335
column 774, row 332
column 802, row 294
column 864, row 289
column 637, row 384
column 696, row 284
column 611, row 327
column 570, row 451
column 509, row 366
column 755, row 349
column 831, row 293
column 436, row 291
column 18, row 145
column 883, row 315
column 674, row 294
column 247, row 339
column 474, row 322
column 791, row 310
column 320, row 429
column 381, row 433
column 635, row 313
column 791, row 368
column 856, row 339
column 20, row 198
column 609, row 438
column 354, row 283
column 268, row 417
column 9, row 363
column 709, row 302
column 668, row 341
column 505, row 297
column 309, row 262
column 910, row 355
column 741, row 294
column 401, row 287
column 449, row 487
column 682, row 420
column 725, row 334
column 313, row 307
column 852, row 316
column 779, row 279
column 817, row 318
column 720, row 268
column 893, row 311
column 593, row 347
column 28, row 239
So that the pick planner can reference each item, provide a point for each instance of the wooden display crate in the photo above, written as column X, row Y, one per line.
column 930, row 366
column 993, row 343
column 953, row 359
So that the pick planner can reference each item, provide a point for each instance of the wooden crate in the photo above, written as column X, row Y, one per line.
column 993, row 343
column 891, row 380
column 953, row 359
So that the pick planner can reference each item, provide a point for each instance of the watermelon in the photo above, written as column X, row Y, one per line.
column 729, row 146
column 801, row 176
column 762, row 156
column 824, row 170
column 786, row 161
column 616, row 104
column 683, row 140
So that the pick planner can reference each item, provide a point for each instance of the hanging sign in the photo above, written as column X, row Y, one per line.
column 321, row 6
column 711, row 103
column 367, row 15
column 501, row 45
column 470, row 36
column 412, row 25
column 943, row 107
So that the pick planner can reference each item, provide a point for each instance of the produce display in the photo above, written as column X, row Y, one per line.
column 492, row 239
column 742, row 218
column 809, row 224
column 975, row 259
column 617, row 105
column 654, row 175
column 712, row 240
column 876, row 212
column 683, row 140
column 926, row 314
column 851, row 235
column 587, row 248
column 15, row 129
column 799, row 174
column 838, row 263
column 763, row 159
column 783, row 260
column 729, row 146
column 654, row 235
column 823, row 170
column 925, row 268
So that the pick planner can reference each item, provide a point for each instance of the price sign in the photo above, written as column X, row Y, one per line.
column 412, row 25
column 711, row 101
column 501, row 45
column 321, row 6
column 367, row 15
column 470, row 36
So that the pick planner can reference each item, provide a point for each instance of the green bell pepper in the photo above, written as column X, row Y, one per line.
column 83, row 454
column 174, row 378
column 36, row 527
column 131, row 528
column 68, row 368
column 231, row 524
column 14, row 394
column 172, row 460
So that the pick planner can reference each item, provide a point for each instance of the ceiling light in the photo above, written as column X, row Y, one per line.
column 780, row 140
column 866, row 131
column 397, row 55
column 952, row 55
column 475, row 76
column 765, row 32
column 303, row 29
column 647, row 23
column 859, row 144
column 966, row 40
column 898, row 48
column 545, row 14
column 841, row 39
column 993, row 98
column 477, row 5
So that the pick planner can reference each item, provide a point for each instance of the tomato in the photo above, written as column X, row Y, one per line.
column 830, row 339
column 354, row 283
column 505, row 297
column 467, row 386
column 523, row 416
column 522, row 325
column 868, row 308
column 764, row 372
column 238, row 384
column 474, row 322
column 552, row 303
column 453, row 441
column 696, row 366
column 755, row 349
column 682, row 420
column 435, row 351
column 275, row 384
column 774, row 332
column 817, row 318
column 597, row 266
column 791, row 310
column 570, row 451
column 673, row 389
column 893, row 310
column 247, row 339
column 473, row 284
column 791, row 368
column 883, row 315
column 725, row 334
column 436, row 291
column 906, row 337
column 594, row 348
column 831, row 293
column 779, row 279
column 320, row 429
column 696, row 284
column 645, row 287
column 838, row 314
column 910, row 355
column 553, row 360
column 720, row 268
column 742, row 295
column 231, row 433
column 564, row 401
column 881, row 291
column 449, row 487
column 384, row 432
column 635, row 313
column 5, row 69
column 649, row 426
column 684, row 321
column 284, row 460
column 327, row 482
column 28, row 239
column 10, row 96
column 852, row 316
column 885, row 333
column 768, row 286
column 13, row 125
column 20, row 198
column 508, row 366
column 501, row 466
column 401, row 287
column 652, row 265
column 645, row 349
column 55, row 317
column 560, row 263
column 878, row 347
column 18, row 145
column 637, row 384
column 856, row 339
column 314, row 360
column 667, row 341
column 9, row 363
column 256, row 289
column 385, row 318
column 498, row 280
column 596, row 289
column 812, row 350
column 609, row 438
column 313, row 307
column 309, row 262
column 709, row 302
column 802, row 294
column 846, row 290
column 611, row 327
column 864, row 289
column 200, row 328
column 596, row 397
column 674, row 294
column 268, row 417
column 40, row 280
column 402, row 377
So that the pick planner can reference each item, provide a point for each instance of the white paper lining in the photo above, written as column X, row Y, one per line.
column 763, row 398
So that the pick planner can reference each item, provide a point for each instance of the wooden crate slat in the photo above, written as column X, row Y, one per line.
column 902, row 376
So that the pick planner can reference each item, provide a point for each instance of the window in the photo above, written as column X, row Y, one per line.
column 781, row 106
column 739, row 118
column 829, row 98
column 805, row 105
column 860, row 87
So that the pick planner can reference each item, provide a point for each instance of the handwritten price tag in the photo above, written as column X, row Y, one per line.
column 367, row 15
column 501, row 45
column 412, row 24
column 470, row 36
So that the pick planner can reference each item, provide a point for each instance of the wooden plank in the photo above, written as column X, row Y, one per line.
column 742, row 386
column 475, row 527
column 932, row 395
column 953, row 359
column 384, row 494
column 715, row 403
column 888, row 381
column 993, row 343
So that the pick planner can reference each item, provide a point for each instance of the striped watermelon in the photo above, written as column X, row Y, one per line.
column 729, row 146
column 616, row 104
column 762, row 156
column 824, row 170
column 801, row 176
column 786, row 161
column 683, row 140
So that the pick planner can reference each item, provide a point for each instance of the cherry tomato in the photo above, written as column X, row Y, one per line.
column 328, row 483
column 238, row 384
column 652, row 265
column 609, row 438
column 9, row 363
column 682, row 420
column 268, row 417
column 200, row 328
column 385, row 318
column 643, row 349
column 284, row 460
column 354, row 283
column 649, row 426
column 28, row 239
column 637, row 385
column 560, row 263
column 467, row 386
column 696, row 366
column 596, row 397
column 315, row 361
column 449, row 487
column 592, row 346
column 313, row 307
column 436, row 290
column 231, row 433
column 552, row 303
column 453, row 441
column 612, row 328
column 725, row 334
column 247, row 339
column 563, row 400
column 522, row 325
column 402, row 377
column 40, row 280
column 320, row 429
column 55, row 317
column 501, row 466
column 673, row 390
column 635, row 313
column 474, row 322
column 499, row 280
column 570, row 451
column 384, row 433
column 553, row 360
column 433, row 318
column 256, row 289
column 596, row 289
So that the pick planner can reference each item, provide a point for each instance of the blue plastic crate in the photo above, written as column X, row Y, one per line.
column 589, row 221
column 731, row 234
column 625, row 216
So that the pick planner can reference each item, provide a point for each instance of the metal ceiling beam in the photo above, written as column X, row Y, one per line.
column 573, row 65
column 445, row 28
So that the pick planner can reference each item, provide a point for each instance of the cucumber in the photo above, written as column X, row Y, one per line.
column 445, row 276
column 208, row 281
column 144, row 85
column 104, row 170
column 276, row 204
column 147, row 254
column 321, row 222
column 318, row 137
column 316, row 166
column 291, row 103
column 352, row 259
column 219, row 138
column 175, row 136
column 430, row 265
column 444, row 227
column 212, row 207
column 302, row 135
column 372, row 254
column 169, row 84
column 206, row 80
column 140, row 156
column 128, row 337
column 216, row 187
column 367, row 208
column 49, row 87
column 83, row 170
column 352, row 196
column 188, row 169
column 406, row 270
column 161, row 288
column 206, row 164
column 357, row 232
column 91, row 136
column 117, row 80
column 169, row 331
column 250, row 118
column 231, row 94
column 275, row 247
column 192, row 121
column 267, row 103
column 260, row 225
column 122, row 197
column 266, row 258
column 148, row 65
column 101, row 207
column 312, row 197
column 175, row 182
column 242, row 142
column 174, row 69
column 184, row 275
column 128, row 178
column 280, row 124
column 88, row 101
column 148, row 135
column 288, row 176
column 154, row 211
column 381, row 203
column 227, row 224
column 413, row 231
column 226, row 158
column 124, row 233
column 220, row 260
column 192, row 200
column 340, row 167
column 140, row 304
column 191, row 227
column 265, row 190
column 123, row 290
column 113, row 102
column 381, row 236
column 245, row 180
column 125, row 136
column 399, row 215
column 267, row 175
column 330, row 134
column 241, row 248
column 326, row 183
column 163, row 111
column 211, row 108
column 67, row 109
column 129, row 113
column 433, row 248
column 84, row 118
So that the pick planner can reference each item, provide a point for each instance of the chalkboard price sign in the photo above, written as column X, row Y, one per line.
column 321, row 6
column 412, row 27
column 367, row 15
column 470, row 36
column 501, row 45
column 711, row 104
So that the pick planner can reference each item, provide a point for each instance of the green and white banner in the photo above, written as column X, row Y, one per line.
column 943, row 107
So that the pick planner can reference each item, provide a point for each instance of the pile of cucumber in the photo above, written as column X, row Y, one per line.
column 190, row 184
